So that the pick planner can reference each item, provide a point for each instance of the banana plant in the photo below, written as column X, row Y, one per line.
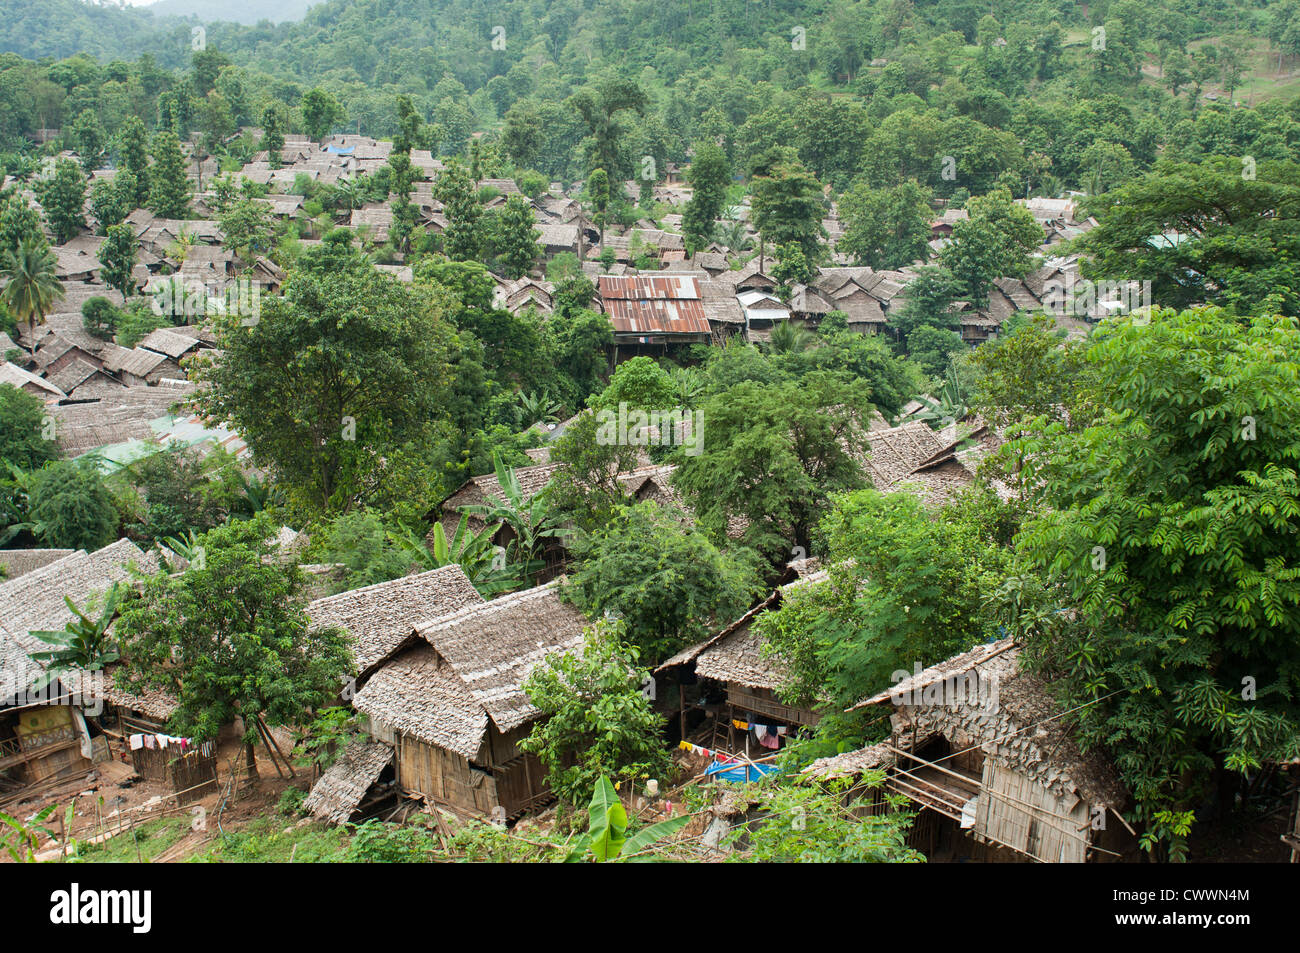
column 538, row 408
column 529, row 517
column 83, row 643
column 948, row 406
column 486, row 567
column 20, row 840
column 606, row 838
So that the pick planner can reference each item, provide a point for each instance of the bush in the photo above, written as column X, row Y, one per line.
column 100, row 317
column 72, row 508
column 597, row 719
column 291, row 802
column 22, row 425
column 378, row 843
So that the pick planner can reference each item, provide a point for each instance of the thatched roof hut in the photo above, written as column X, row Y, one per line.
column 383, row 616
column 454, row 706
column 983, row 748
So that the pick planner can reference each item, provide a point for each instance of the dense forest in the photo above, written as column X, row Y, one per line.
column 1129, row 499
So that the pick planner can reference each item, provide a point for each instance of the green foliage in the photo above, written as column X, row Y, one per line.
column 63, row 196
column 597, row 720
column 377, row 842
column 906, row 587
column 100, row 317
column 886, row 228
column 71, row 507
column 530, row 519
column 1165, row 530
column 771, row 455
column 290, row 803
column 33, row 285
column 1034, row 371
column 804, row 824
column 230, row 637
column 322, row 740
column 359, row 542
column 668, row 582
column 22, row 430
column 788, row 206
column 117, row 255
column 640, row 383
column 994, row 242
column 1206, row 232
column 340, row 373
column 709, row 175
column 169, row 189
column 514, row 239
column 20, row 839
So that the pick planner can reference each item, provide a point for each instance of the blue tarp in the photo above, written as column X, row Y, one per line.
column 731, row 771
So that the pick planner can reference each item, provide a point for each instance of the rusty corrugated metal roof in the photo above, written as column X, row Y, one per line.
column 659, row 304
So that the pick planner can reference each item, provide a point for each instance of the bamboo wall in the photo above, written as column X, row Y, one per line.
column 442, row 775
column 1023, row 814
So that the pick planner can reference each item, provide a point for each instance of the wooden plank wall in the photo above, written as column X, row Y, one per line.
column 442, row 775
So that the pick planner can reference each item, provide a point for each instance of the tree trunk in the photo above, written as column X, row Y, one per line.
column 250, row 760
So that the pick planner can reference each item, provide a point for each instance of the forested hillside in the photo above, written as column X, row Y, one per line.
column 358, row 371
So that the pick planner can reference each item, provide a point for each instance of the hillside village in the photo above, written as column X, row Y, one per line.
column 387, row 497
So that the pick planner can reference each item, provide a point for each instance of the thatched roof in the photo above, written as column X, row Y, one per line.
column 336, row 796
column 15, row 376
column 19, row 562
column 851, row 764
column 493, row 646
column 380, row 617
column 169, row 341
column 137, row 362
column 35, row 601
column 897, row 452
column 113, row 419
column 1012, row 717
column 472, row 668
column 418, row 695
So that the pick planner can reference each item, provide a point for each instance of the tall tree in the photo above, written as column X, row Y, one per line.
column 515, row 238
column 886, row 228
column 229, row 638
column 788, row 204
column 1167, row 531
column 994, row 242
column 320, row 112
column 273, row 135
column 600, row 109
column 117, row 256
column 169, row 193
column 63, row 196
column 88, row 135
column 1204, row 233
column 709, row 175
column 133, row 147
column 339, row 373
column 462, row 239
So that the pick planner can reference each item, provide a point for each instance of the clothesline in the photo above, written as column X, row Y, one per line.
column 158, row 740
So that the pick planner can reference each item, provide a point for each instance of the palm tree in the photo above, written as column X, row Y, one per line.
column 734, row 235
column 33, row 284
column 788, row 338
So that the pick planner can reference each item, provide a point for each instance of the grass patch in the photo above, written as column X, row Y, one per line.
column 152, row 838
